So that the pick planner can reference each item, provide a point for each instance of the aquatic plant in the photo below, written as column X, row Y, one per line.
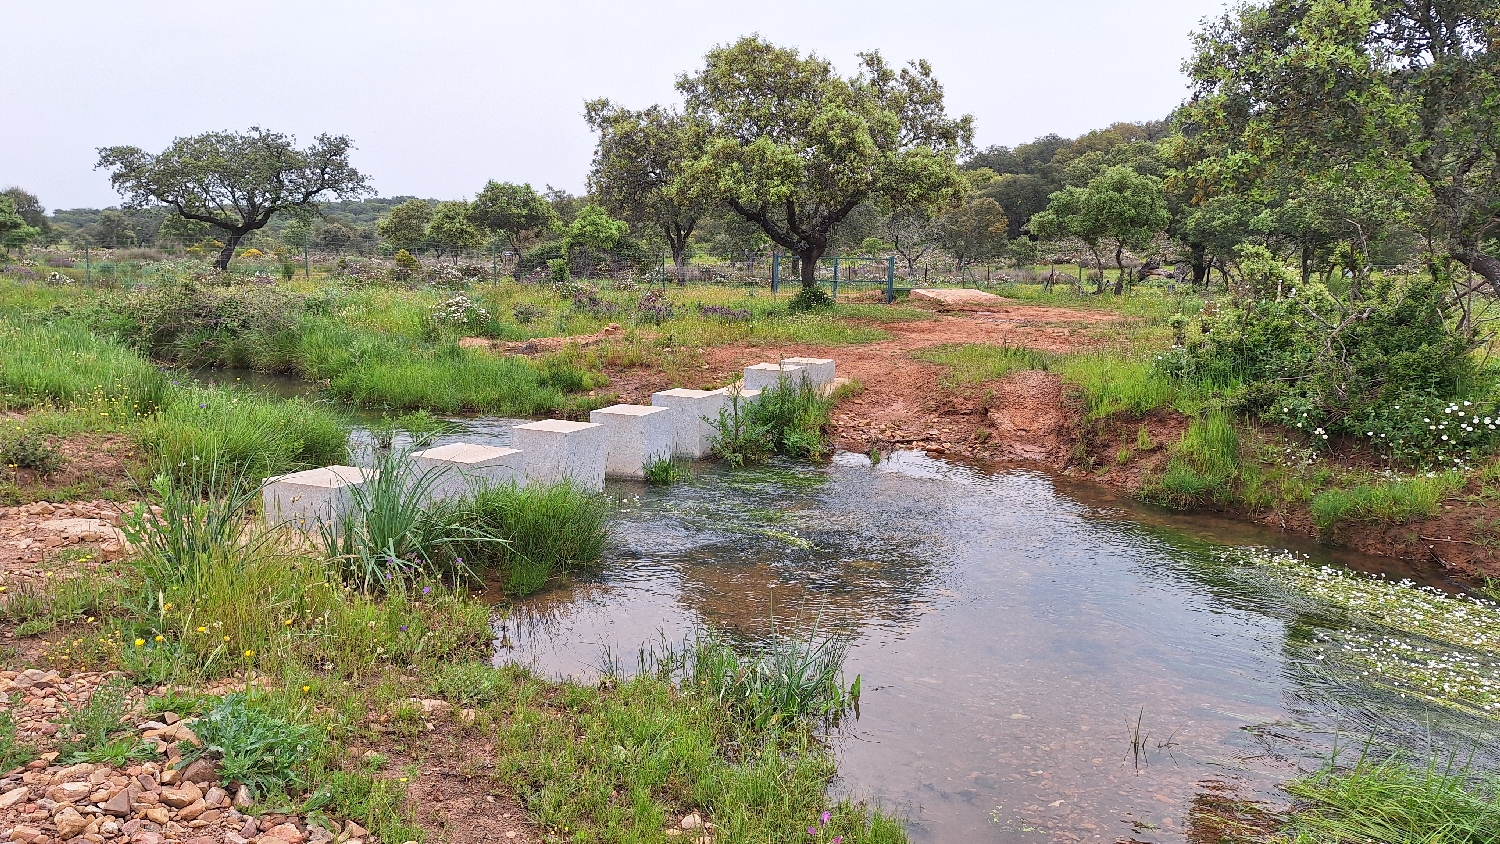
column 788, row 419
column 544, row 530
column 665, row 472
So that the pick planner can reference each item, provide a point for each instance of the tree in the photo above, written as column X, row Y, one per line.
column 451, row 229
column 182, row 231
column 1311, row 86
column 406, row 226
column 912, row 233
column 515, row 212
column 235, row 181
column 112, row 230
column 974, row 231
column 1119, row 209
column 638, row 171
column 31, row 210
column 794, row 148
column 13, row 227
column 593, row 232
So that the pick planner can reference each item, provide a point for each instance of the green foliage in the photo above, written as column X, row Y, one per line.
column 1392, row 801
column 202, row 512
column 243, row 433
column 13, row 751
column 810, row 299
column 1111, row 384
column 788, row 419
column 472, row 683
column 792, row 675
column 29, row 450
column 1394, row 501
column 665, row 472
column 1203, row 466
column 451, row 230
column 265, row 752
column 1386, row 369
column 379, row 805
column 1117, row 210
column 190, row 323
column 405, row 227
column 593, row 229
column 65, row 364
column 97, row 731
column 516, row 212
column 546, row 530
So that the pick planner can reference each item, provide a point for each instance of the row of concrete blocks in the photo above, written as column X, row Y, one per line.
column 618, row 441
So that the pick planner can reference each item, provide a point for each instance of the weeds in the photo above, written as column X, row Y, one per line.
column 1391, row 801
column 13, row 751
column 665, row 471
column 97, row 732
column 1394, row 501
column 182, row 534
column 1203, row 465
column 265, row 752
column 546, row 530
column 791, row 676
column 29, row 450
column 975, row 363
column 788, row 419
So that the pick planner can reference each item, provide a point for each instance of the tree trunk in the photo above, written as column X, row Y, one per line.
column 1198, row 258
column 227, row 253
column 1487, row 266
column 1119, row 270
column 809, row 260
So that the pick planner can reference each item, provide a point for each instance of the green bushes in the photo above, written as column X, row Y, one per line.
column 265, row 752
column 786, row 419
column 190, row 324
column 544, row 530
column 1395, row 501
column 1390, row 801
column 455, row 380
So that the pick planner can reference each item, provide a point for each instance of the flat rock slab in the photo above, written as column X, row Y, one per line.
column 451, row 471
column 818, row 372
column 763, row 376
column 560, row 450
column 959, row 297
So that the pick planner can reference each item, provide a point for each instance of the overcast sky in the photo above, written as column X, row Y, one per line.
column 441, row 95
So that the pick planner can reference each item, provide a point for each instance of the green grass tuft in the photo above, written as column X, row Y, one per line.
column 975, row 363
column 1395, row 501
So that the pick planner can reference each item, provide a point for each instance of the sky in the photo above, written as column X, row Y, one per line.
column 443, row 95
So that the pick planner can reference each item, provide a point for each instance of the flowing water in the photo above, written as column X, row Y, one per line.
column 1040, row 660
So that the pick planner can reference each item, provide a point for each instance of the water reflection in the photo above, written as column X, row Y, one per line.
column 1013, row 641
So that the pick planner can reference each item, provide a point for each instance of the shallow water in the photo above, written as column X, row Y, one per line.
column 1010, row 633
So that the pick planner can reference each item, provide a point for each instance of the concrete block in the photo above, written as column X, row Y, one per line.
column 451, row 471
column 635, row 435
column 694, row 412
column 729, row 393
column 559, row 450
column 763, row 375
column 818, row 371
column 308, row 499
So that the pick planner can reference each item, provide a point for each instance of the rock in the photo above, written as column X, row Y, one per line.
column 69, row 792
column 286, row 832
column 69, row 822
column 147, row 782
column 242, row 798
column 191, row 811
column 14, row 796
column 169, row 776
column 201, row 770
column 158, row 814
column 147, row 837
column 202, row 839
column 119, row 805
column 250, row 829
column 692, row 821
column 958, row 297
column 170, row 717
column 354, row 830
column 25, row 833
column 185, row 795
column 215, row 797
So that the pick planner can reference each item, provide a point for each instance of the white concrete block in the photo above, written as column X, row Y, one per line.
column 451, row 471
column 817, row 371
column 737, row 389
column 558, row 450
column 761, row 376
column 635, row 435
column 694, row 413
column 317, row 496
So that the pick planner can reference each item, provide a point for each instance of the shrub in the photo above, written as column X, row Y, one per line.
column 267, row 753
column 811, row 299
column 92, row 729
column 785, row 419
column 195, row 325
column 545, row 530
column 654, row 307
column 29, row 450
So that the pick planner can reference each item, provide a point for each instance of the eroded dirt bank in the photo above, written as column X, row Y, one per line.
column 1030, row 418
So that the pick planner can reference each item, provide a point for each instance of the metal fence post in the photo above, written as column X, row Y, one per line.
column 890, row 279
column 775, row 272
column 835, row 278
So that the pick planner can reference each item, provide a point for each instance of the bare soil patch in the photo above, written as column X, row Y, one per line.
column 94, row 466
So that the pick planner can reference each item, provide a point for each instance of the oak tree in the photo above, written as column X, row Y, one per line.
column 639, row 171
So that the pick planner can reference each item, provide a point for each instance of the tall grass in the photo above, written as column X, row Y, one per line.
column 975, row 363
column 1111, row 384
column 1203, row 466
column 792, row 675
column 193, row 522
column 546, row 530
column 244, row 432
column 788, row 419
column 1392, row 802
column 1394, row 501
column 64, row 364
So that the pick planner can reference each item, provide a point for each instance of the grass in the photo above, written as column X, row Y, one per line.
column 545, row 531
column 1393, row 802
column 1203, row 466
column 64, row 364
column 1112, row 384
column 666, row 471
column 13, row 751
column 975, row 363
column 787, row 419
column 244, row 432
column 1394, row 501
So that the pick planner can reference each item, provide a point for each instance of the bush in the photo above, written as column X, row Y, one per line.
column 810, row 299
column 545, row 530
column 188, row 323
column 266, row 753
column 29, row 450
column 786, row 419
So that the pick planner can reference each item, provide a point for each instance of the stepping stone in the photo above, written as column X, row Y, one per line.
column 817, row 371
column 308, row 499
column 451, row 471
column 635, row 435
column 694, row 412
column 559, row 450
column 761, row 376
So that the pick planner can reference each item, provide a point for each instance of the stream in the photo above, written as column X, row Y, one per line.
column 1041, row 659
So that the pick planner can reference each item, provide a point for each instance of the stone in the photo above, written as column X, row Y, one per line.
column 69, row 822
column 958, row 297
column 201, row 770
column 763, row 376
column 354, row 830
column 25, row 833
column 559, row 450
column 158, row 814
column 169, row 776
column 737, row 392
column 186, row 794
column 69, row 792
column 14, row 796
column 692, row 821
column 243, row 799
column 818, row 372
column 450, row 471
column 286, row 832
column 307, row 499
column 694, row 412
column 147, row 836
column 191, row 811
column 119, row 805
column 216, row 797
column 635, row 436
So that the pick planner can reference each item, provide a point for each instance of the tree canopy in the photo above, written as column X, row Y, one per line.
column 1119, row 209
column 235, row 181
column 515, row 212
column 638, row 171
column 794, row 148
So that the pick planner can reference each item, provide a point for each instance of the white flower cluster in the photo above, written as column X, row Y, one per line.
column 459, row 309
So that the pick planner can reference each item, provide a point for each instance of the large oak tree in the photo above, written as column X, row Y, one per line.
column 235, row 181
column 794, row 148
